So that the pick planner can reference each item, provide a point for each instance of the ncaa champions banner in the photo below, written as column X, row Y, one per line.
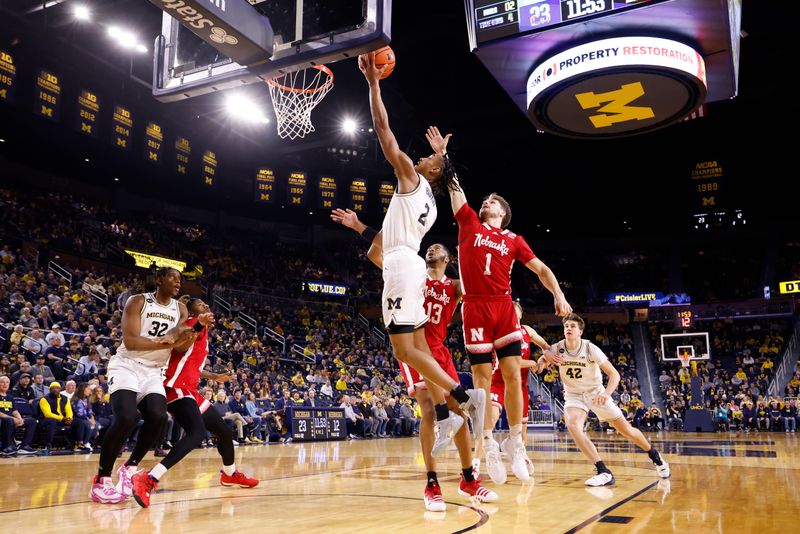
column 209, row 168
column 47, row 102
column 122, row 123
column 386, row 192
column 358, row 195
column 183, row 149
column 297, row 189
column 8, row 77
column 88, row 113
column 265, row 186
column 327, row 192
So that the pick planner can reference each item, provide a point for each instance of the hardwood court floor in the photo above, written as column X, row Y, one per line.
column 720, row 483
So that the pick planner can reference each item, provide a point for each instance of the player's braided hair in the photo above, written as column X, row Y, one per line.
column 448, row 180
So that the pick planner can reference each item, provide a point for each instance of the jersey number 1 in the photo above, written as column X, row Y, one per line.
column 488, row 270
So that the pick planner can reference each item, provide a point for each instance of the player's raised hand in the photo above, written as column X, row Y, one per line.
column 206, row 319
column 366, row 64
column 437, row 142
column 347, row 217
column 562, row 306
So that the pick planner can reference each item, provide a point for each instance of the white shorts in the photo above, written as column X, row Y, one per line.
column 128, row 374
column 606, row 412
column 403, row 299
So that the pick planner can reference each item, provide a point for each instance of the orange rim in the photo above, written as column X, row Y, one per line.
column 272, row 81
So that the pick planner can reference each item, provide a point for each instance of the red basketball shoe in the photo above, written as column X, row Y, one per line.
column 237, row 479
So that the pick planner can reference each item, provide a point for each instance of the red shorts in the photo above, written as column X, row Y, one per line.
column 497, row 397
column 489, row 324
column 414, row 379
column 174, row 394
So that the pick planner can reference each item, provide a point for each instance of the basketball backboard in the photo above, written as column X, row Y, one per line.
column 306, row 33
column 695, row 344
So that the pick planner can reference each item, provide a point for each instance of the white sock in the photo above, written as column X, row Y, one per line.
column 229, row 469
column 487, row 434
column 158, row 471
column 516, row 431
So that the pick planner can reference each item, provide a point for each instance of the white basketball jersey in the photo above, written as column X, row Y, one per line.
column 580, row 372
column 155, row 320
column 409, row 217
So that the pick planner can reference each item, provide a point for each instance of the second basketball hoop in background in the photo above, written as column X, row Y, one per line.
column 385, row 57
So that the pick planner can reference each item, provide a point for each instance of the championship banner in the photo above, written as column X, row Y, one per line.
column 297, row 188
column 153, row 142
column 706, row 182
column 47, row 102
column 327, row 192
column 358, row 195
column 123, row 124
column 209, row 168
column 265, row 186
column 146, row 260
column 386, row 192
column 8, row 77
column 183, row 149
column 88, row 114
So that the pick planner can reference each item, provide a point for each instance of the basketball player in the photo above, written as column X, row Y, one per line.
column 494, row 463
column 411, row 213
column 134, row 380
column 442, row 296
column 487, row 251
column 191, row 410
column 580, row 365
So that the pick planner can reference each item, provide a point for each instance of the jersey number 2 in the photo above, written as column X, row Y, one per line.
column 423, row 218
column 158, row 329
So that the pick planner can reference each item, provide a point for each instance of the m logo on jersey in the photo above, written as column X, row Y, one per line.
column 561, row 351
column 394, row 304
column 476, row 334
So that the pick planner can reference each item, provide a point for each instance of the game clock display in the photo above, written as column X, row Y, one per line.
column 497, row 19
column 316, row 424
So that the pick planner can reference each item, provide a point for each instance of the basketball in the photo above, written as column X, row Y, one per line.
column 385, row 57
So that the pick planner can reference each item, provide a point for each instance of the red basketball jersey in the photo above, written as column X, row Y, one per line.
column 440, row 305
column 497, row 375
column 183, row 370
column 486, row 255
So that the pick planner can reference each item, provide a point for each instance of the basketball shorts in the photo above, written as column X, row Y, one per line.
column 174, row 394
column 584, row 401
column 403, row 299
column 489, row 324
column 497, row 396
column 415, row 381
column 125, row 373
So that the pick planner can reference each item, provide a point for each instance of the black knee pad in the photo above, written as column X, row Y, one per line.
column 512, row 349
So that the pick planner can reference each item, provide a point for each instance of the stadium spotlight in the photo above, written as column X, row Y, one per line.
column 81, row 12
column 142, row 49
column 349, row 126
column 243, row 108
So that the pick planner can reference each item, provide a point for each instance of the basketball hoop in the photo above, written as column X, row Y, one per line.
column 295, row 95
column 685, row 358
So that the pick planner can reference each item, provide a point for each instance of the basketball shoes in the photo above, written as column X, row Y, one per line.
column 494, row 463
column 103, row 491
column 143, row 486
column 237, row 479
column 474, row 489
column 528, row 462
column 124, row 474
column 447, row 428
column 433, row 498
column 662, row 467
column 601, row 479
column 475, row 407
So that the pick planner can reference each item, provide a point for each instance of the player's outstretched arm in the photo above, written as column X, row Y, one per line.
column 439, row 145
column 549, row 280
column 407, row 179
column 349, row 218
column 538, row 340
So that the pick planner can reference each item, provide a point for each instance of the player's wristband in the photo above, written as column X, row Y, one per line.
column 198, row 327
column 369, row 234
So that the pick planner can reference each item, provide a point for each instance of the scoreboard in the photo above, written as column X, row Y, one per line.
column 497, row 19
column 316, row 424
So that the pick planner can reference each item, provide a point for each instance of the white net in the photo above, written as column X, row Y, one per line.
column 295, row 95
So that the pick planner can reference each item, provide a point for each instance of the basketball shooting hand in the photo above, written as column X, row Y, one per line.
column 366, row 64
column 601, row 399
column 346, row 218
column 437, row 142
column 562, row 306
